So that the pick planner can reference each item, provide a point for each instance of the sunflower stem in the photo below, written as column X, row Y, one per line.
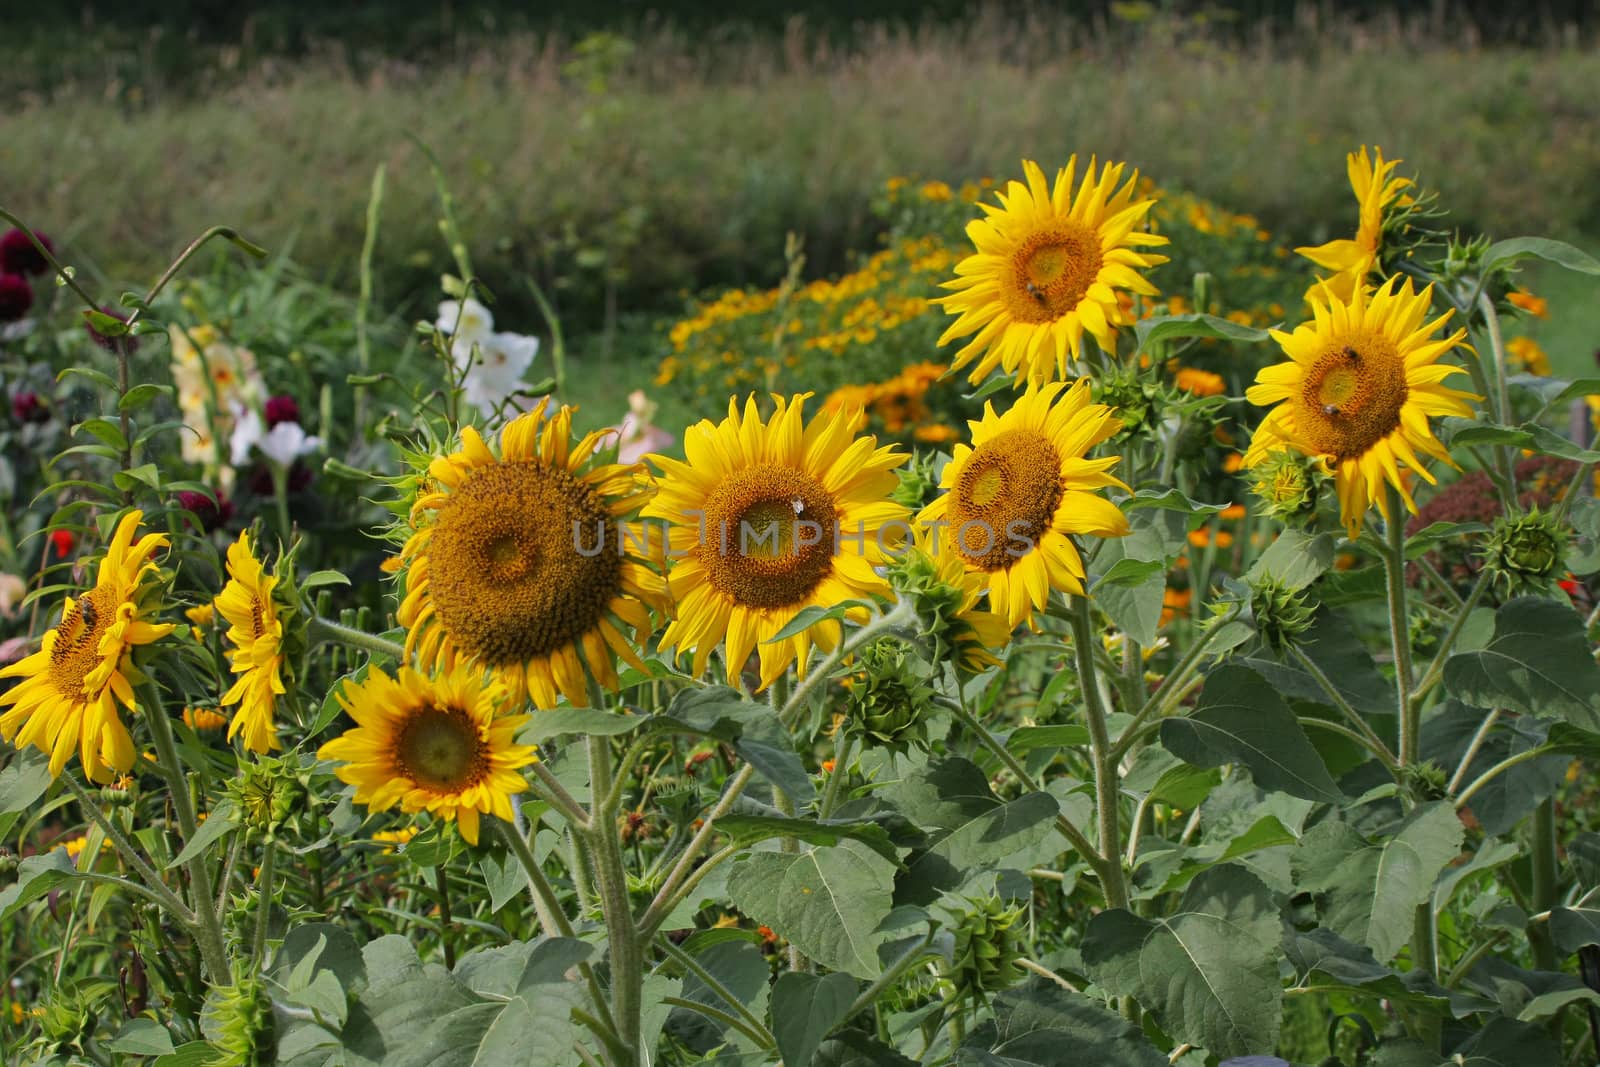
column 546, row 905
column 269, row 868
column 1399, row 628
column 1172, row 683
column 1106, row 783
column 623, row 935
column 129, row 854
column 208, row 930
column 664, row 901
column 1369, row 737
column 328, row 630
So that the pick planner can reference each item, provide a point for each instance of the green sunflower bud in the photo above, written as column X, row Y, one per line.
column 274, row 796
column 237, row 1021
column 938, row 604
column 1525, row 553
column 918, row 482
column 890, row 696
column 1282, row 615
column 1425, row 781
column 987, row 948
column 1290, row 485
column 1132, row 392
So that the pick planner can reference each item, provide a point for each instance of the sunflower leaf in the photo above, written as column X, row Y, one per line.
column 1504, row 253
column 1174, row 327
column 808, row 617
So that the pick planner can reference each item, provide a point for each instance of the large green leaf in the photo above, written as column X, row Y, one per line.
column 1510, row 796
column 1135, row 609
column 1538, row 663
column 1208, row 971
column 828, row 901
column 1242, row 719
column 1507, row 1043
column 969, row 827
column 1507, row 252
column 1368, row 891
column 1320, row 957
column 23, row 781
column 1042, row 1025
column 36, row 876
column 1294, row 559
column 741, row 970
column 1573, row 928
column 1173, row 327
column 509, row 1005
column 852, row 1048
column 805, row 1009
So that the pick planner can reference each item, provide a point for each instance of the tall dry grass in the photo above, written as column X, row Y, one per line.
column 683, row 162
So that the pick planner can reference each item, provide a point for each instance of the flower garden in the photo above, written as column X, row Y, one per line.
column 1089, row 630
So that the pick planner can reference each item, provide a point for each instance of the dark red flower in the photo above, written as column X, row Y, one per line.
column 282, row 408
column 18, row 256
column 27, row 407
column 209, row 514
column 16, row 297
column 63, row 541
column 129, row 342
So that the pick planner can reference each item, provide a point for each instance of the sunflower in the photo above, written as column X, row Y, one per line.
column 1362, row 378
column 434, row 744
column 256, row 634
column 517, row 562
column 767, row 519
column 1352, row 260
column 71, row 686
column 1014, row 498
column 1048, row 267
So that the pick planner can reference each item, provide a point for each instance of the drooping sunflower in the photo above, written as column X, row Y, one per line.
column 256, row 636
column 1361, row 380
column 518, row 561
column 1015, row 498
column 1351, row 260
column 767, row 518
column 436, row 744
column 71, row 687
column 1047, row 268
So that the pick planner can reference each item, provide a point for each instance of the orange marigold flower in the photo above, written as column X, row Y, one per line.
column 1199, row 382
column 1537, row 306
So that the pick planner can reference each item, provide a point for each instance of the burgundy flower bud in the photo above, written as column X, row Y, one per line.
column 16, row 297
column 128, row 341
column 27, row 407
column 210, row 514
column 282, row 408
column 18, row 256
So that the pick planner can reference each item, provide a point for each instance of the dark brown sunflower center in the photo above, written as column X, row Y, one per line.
column 1051, row 272
column 1351, row 397
column 440, row 748
column 76, row 652
column 1005, row 499
column 523, row 560
column 768, row 536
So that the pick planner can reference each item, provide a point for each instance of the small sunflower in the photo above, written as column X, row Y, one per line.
column 436, row 744
column 517, row 562
column 71, row 687
column 1047, row 269
column 947, row 597
column 768, row 518
column 256, row 636
column 1362, row 378
column 1351, row 260
column 1016, row 497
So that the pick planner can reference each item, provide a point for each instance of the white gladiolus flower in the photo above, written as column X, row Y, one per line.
column 465, row 321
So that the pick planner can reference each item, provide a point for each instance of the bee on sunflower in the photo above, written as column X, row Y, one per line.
column 71, row 688
column 1014, row 499
column 1048, row 267
column 1362, row 379
column 768, row 517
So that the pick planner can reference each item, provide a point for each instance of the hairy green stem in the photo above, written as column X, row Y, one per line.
column 546, row 905
column 1369, row 737
column 1399, row 627
column 269, row 868
column 1172, row 682
column 1544, row 882
column 622, row 934
column 754, row 1026
column 208, row 931
column 1478, row 738
column 1498, row 769
column 129, row 854
column 1435, row 671
column 327, row 630
column 1106, row 778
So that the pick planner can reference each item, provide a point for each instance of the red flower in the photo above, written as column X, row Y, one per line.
column 210, row 515
column 27, row 407
column 16, row 297
column 18, row 256
column 63, row 540
column 282, row 409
